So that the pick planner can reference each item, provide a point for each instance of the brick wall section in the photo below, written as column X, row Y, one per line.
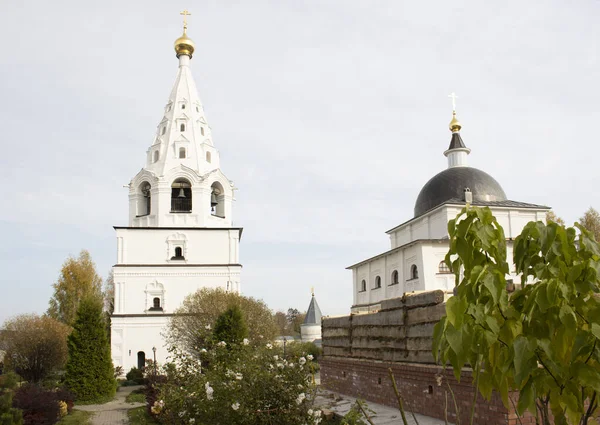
column 359, row 349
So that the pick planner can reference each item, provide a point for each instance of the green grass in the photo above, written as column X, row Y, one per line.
column 136, row 396
column 139, row 416
column 102, row 400
column 76, row 417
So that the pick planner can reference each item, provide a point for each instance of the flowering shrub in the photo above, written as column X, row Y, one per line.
column 232, row 384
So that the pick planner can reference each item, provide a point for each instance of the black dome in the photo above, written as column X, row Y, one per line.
column 451, row 184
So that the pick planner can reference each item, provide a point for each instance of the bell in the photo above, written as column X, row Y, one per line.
column 181, row 193
column 213, row 200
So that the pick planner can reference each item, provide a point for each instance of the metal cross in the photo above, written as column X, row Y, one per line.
column 453, row 96
column 185, row 14
column 312, row 290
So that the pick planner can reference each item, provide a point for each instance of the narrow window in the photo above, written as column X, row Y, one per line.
column 183, row 106
column 202, row 130
column 182, row 127
column 208, row 157
column 155, row 156
column 363, row 286
column 197, row 109
column 414, row 272
column 156, row 303
column 394, row 277
column 169, row 108
column 443, row 267
column 377, row 282
column 163, row 131
column 178, row 252
column 181, row 152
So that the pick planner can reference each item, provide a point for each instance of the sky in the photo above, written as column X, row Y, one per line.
column 329, row 116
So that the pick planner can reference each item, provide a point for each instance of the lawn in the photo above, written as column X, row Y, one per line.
column 136, row 396
column 139, row 416
column 76, row 417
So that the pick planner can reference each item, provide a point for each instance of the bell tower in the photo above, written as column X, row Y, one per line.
column 180, row 235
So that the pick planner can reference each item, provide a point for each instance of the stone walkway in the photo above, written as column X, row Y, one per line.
column 114, row 412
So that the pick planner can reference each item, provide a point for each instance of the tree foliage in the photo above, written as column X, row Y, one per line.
column 590, row 220
column 230, row 326
column 295, row 319
column 8, row 414
column 35, row 346
column 552, row 217
column 78, row 279
column 89, row 372
column 108, row 293
column 191, row 327
column 541, row 340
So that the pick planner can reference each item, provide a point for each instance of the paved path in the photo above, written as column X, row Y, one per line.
column 114, row 412
column 384, row 415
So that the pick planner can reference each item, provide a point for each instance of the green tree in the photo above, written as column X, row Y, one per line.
column 542, row 339
column 89, row 372
column 35, row 346
column 551, row 216
column 281, row 322
column 78, row 279
column 230, row 326
column 8, row 414
column 192, row 325
column 590, row 220
column 295, row 320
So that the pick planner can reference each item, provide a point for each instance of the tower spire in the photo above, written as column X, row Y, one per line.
column 457, row 151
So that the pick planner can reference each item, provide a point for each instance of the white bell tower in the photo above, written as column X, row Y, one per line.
column 180, row 235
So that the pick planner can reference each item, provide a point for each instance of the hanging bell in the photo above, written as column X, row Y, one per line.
column 181, row 193
column 213, row 200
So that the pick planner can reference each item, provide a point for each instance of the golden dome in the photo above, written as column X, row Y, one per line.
column 454, row 124
column 184, row 45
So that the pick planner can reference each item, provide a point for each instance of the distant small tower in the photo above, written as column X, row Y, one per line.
column 310, row 331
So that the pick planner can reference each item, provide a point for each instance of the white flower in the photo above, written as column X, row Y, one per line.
column 300, row 386
column 280, row 365
column 310, row 357
column 221, row 344
column 207, row 327
column 310, row 412
column 203, row 350
column 301, row 360
column 235, row 406
column 245, row 341
column 300, row 398
column 209, row 391
column 192, row 420
column 276, row 357
column 238, row 376
column 269, row 346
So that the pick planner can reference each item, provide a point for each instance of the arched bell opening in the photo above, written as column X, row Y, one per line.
column 144, row 200
column 217, row 200
column 181, row 196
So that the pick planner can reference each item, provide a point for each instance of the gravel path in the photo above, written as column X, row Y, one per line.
column 114, row 412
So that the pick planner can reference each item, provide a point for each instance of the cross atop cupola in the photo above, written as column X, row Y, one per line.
column 457, row 151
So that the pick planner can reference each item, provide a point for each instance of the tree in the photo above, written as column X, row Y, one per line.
column 35, row 346
column 89, row 372
column 295, row 320
column 543, row 339
column 8, row 414
column 78, row 279
column 109, row 293
column 191, row 326
column 230, row 326
column 281, row 322
column 550, row 216
column 591, row 222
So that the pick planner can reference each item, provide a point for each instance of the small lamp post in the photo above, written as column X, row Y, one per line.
column 154, row 351
column 284, row 341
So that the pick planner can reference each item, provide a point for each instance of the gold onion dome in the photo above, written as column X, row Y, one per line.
column 455, row 123
column 184, row 45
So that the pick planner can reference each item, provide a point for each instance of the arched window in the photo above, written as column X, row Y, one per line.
column 144, row 199
column 202, row 130
column 414, row 272
column 197, row 109
column 156, row 304
column 163, row 130
column 155, row 158
column 443, row 267
column 377, row 282
column 394, row 278
column 182, row 127
column 183, row 106
column 181, row 152
column 178, row 254
column 208, row 157
column 141, row 360
column 217, row 200
column 363, row 286
column 181, row 196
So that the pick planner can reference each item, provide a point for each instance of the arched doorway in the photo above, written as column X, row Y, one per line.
column 141, row 360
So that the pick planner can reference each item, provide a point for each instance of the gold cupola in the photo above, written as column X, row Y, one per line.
column 184, row 45
column 454, row 123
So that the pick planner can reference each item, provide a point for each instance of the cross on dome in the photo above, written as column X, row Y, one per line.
column 185, row 14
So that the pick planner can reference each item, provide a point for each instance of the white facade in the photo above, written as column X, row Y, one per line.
column 180, row 235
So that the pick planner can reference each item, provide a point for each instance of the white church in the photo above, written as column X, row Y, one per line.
column 180, row 235
column 415, row 260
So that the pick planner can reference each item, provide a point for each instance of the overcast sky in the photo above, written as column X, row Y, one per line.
column 329, row 115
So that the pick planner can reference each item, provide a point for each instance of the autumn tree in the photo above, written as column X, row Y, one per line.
column 295, row 319
column 552, row 217
column 35, row 345
column 541, row 340
column 591, row 222
column 89, row 371
column 281, row 322
column 78, row 279
column 192, row 324
column 108, row 293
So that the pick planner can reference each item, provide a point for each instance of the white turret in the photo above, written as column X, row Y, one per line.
column 457, row 151
column 181, row 183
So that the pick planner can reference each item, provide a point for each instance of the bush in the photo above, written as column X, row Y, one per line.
column 8, row 414
column 297, row 349
column 230, row 326
column 136, row 375
column 39, row 406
